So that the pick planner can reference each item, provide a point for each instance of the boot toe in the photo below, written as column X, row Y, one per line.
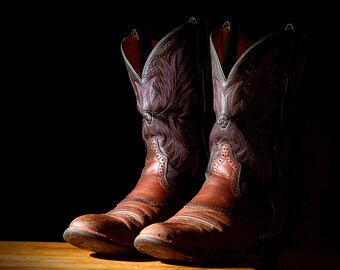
column 100, row 233
column 167, row 242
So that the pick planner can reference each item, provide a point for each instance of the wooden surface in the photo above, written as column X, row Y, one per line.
column 48, row 255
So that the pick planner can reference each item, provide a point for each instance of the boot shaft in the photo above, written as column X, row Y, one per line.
column 170, row 79
column 251, row 103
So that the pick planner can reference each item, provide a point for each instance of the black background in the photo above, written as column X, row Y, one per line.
column 72, row 129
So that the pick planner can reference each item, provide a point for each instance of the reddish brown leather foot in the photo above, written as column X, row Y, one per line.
column 199, row 233
column 196, row 234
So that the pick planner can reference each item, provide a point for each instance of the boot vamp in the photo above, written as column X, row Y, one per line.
column 147, row 203
column 203, row 229
column 124, row 222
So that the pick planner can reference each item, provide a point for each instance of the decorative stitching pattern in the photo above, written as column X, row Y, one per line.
column 226, row 154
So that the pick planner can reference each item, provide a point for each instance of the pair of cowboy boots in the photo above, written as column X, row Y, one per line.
column 215, row 109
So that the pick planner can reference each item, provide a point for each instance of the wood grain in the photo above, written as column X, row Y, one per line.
column 55, row 255
column 59, row 255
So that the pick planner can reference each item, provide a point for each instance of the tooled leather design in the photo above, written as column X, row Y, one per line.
column 242, row 102
column 166, row 96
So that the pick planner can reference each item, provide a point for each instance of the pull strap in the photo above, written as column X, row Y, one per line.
column 202, row 43
column 145, row 45
column 203, row 67
column 230, row 56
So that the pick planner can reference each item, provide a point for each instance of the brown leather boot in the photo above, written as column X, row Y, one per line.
column 169, row 79
column 241, row 202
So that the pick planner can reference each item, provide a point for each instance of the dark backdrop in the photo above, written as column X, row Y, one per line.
column 74, row 133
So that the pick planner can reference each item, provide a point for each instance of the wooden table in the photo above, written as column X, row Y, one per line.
column 55, row 255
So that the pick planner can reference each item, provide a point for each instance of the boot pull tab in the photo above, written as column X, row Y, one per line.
column 289, row 27
column 193, row 20
column 144, row 42
column 230, row 55
column 202, row 46
column 226, row 25
column 203, row 67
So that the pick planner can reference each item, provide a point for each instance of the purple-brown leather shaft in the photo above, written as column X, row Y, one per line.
column 169, row 95
column 241, row 200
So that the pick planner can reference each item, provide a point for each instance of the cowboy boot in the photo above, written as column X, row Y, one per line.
column 241, row 202
column 169, row 79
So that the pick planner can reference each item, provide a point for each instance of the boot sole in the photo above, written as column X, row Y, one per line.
column 165, row 251
column 96, row 243
column 262, row 251
column 162, row 250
